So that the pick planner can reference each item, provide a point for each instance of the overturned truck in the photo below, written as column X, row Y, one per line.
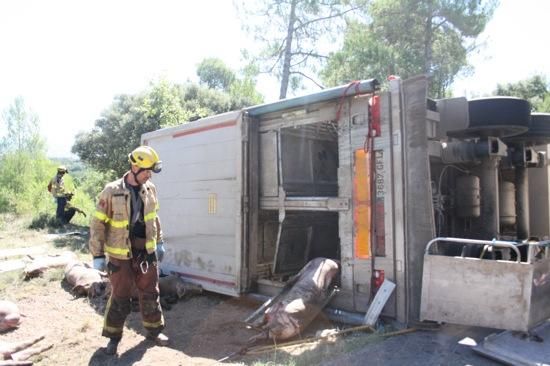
column 448, row 199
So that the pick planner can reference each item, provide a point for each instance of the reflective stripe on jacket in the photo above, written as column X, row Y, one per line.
column 110, row 226
column 58, row 188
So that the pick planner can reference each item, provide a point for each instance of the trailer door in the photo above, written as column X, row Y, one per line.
column 200, row 194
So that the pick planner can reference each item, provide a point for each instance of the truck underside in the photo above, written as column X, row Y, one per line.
column 448, row 199
column 452, row 169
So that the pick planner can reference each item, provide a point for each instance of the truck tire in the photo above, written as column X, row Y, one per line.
column 499, row 111
column 496, row 116
column 538, row 133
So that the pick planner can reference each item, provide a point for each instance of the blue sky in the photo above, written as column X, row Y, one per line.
column 68, row 59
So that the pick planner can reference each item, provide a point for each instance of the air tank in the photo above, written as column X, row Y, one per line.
column 507, row 203
column 467, row 196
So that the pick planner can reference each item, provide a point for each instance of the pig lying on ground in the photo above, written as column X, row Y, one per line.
column 9, row 315
column 305, row 296
column 40, row 264
column 172, row 288
column 86, row 281
column 18, row 353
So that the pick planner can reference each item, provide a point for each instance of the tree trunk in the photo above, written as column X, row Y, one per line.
column 285, row 77
column 428, row 35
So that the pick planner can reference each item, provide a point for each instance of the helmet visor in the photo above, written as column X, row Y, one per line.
column 157, row 167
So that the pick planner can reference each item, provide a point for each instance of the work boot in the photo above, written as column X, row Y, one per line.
column 112, row 346
column 160, row 339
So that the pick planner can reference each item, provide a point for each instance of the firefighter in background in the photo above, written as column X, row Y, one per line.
column 57, row 188
column 70, row 210
column 126, row 229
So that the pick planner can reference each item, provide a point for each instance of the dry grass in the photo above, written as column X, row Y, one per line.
column 202, row 329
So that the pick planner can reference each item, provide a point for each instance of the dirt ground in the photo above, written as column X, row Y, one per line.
column 202, row 329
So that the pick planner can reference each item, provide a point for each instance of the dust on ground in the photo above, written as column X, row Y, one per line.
column 202, row 329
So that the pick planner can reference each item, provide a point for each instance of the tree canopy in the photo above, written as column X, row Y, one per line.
column 215, row 74
column 408, row 37
column 22, row 129
column 291, row 32
column 118, row 131
column 534, row 89
column 24, row 168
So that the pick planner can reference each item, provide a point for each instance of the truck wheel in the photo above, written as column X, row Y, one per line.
column 538, row 133
column 497, row 117
column 499, row 111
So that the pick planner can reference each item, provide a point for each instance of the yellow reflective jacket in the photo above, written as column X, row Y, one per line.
column 57, row 187
column 110, row 226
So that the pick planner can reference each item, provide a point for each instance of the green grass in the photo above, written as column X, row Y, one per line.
column 16, row 234
column 76, row 243
column 44, row 220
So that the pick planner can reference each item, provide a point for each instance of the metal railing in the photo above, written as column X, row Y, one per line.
column 492, row 243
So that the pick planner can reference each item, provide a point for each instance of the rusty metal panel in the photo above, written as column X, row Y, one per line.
column 393, row 166
column 345, row 218
column 359, row 186
column 418, row 222
column 487, row 293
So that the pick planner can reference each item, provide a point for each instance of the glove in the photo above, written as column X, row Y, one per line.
column 151, row 258
column 99, row 263
column 160, row 250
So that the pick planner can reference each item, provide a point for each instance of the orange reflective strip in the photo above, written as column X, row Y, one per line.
column 362, row 204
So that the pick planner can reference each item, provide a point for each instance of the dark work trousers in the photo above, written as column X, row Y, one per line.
column 61, row 202
column 68, row 215
column 124, row 275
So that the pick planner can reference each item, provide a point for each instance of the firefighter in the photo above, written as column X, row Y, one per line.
column 70, row 210
column 126, row 231
column 57, row 188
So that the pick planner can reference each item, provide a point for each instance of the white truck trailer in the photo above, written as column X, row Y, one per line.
column 433, row 195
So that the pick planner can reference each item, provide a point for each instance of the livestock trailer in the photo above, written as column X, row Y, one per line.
column 430, row 194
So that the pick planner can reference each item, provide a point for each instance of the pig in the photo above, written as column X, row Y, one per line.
column 9, row 315
column 86, row 281
column 18, row 353
column 40, row 264
column 303, row 297
column 172, row 288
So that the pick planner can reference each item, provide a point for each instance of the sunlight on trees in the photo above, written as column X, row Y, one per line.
column 535, row 89
column 118, row 131
column 410, row 37
column 24, row 168
column 291, row 33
